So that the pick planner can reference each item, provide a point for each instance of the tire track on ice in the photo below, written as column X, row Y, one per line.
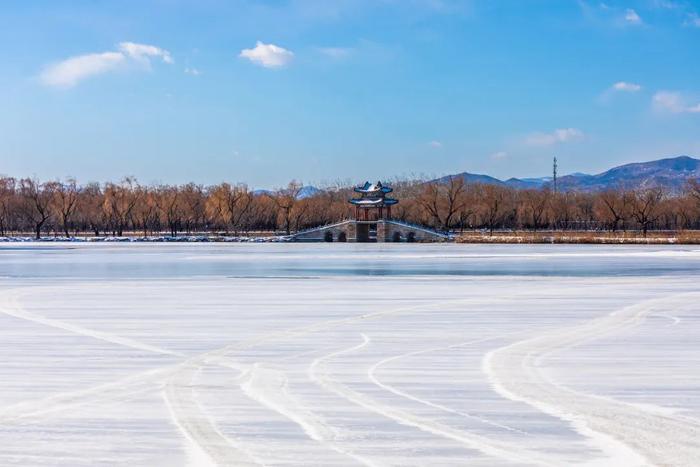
column 373, row 369
column 11, row 307
column 113, row 391
column 470, row 440
column 196, row 426
column 269, row 387
column 177, row 382
column 674, row 319
column 629, row 434
column 189, row 416
column 191, row 420
column 148, row 381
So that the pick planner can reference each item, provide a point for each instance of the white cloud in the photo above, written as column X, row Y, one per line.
column 626, row 87
column 692, row 20
column 71, row 71
column 435, row 144
column 336, row 53
column 499, row 155
column 268, row 55
column 674, row 102
column 666, row 4
column 560, row 135
column 668, row 101
column 142, row 52
column 632, row 17
column 192, row 71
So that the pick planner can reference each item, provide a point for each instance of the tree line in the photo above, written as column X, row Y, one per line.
column 67, row 208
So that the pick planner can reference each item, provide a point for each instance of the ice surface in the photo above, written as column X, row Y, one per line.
column 334, row 355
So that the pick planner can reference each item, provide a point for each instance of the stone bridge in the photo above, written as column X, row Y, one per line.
column 383, row 230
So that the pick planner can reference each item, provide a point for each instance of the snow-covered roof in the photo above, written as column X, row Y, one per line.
column 373, row 201
column 372, row 188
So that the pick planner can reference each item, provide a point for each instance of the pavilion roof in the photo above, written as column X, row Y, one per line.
column 373, row 188
column 373, row 201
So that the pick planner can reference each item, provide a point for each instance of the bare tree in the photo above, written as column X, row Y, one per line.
column 613, row 207
column 442, row 200
column 168, row 202
column 263, row 213
column 90, row 208
column 692, row 189
column 230, row 203
column 193, row 200
column 563, row 208
column 585, row 210
column 493, row 205
column 119, row 202
column 7, row 198
column 535, row 204
column 286, row 199
column 65, row 202
column 146, row 210
column 645, row 205
column 299, row 214
column 686, row 210
column 36, row 198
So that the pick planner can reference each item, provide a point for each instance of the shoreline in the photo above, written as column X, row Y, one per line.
column 149, row 239
column 689, row 237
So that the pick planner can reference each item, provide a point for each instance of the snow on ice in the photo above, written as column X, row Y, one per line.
column 335, row 355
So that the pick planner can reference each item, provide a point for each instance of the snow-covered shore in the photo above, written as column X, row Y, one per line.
column 152, row 239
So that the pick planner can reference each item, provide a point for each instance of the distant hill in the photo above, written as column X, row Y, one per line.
column 524, row 183
column 306, row 191
column 473, row 178
column 671, row 173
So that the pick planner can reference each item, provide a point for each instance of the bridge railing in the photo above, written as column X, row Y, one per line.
column 319, row 227
column 409, row 225
column 421, row 228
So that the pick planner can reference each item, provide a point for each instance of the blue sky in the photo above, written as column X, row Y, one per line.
column 268, row 91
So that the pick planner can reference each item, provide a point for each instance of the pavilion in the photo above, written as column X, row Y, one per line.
column 372, row 222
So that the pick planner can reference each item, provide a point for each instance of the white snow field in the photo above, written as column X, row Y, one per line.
column 341, row 354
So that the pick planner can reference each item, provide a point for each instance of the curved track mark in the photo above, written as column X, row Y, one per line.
column 201, row 432
column 373, row 369
column 628, row 433
column 191, row 418
column 12, row 308
column 469, row 440
column 122, row 389
column 269, row 387
column 674, row 319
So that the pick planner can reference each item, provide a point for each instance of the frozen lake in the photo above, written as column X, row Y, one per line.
column 342, row 354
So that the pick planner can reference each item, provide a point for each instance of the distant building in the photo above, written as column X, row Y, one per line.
column 373, row 203
column 372, row 222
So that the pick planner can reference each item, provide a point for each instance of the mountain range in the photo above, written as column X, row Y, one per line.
column 671, row 173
